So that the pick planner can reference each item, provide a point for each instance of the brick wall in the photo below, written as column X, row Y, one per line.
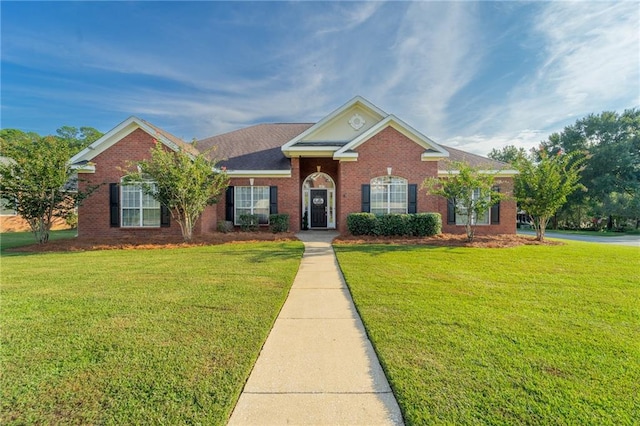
column 93, row 214
column 390, row 148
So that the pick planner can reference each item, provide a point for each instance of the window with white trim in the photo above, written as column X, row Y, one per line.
column 461, row 214
column 251, row 200
column 137, row 208
column 388, row 195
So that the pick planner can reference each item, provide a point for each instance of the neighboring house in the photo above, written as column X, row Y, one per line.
column 356, row 159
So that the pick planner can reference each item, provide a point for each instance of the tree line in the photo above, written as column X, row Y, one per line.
column 606, row 148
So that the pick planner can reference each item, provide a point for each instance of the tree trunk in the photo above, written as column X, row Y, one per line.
column 470, row 232
column 187, row 230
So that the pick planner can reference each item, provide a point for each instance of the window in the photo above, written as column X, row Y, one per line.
column 388, row 195
column 252, row 200
column 461, row 217
column 138, row 209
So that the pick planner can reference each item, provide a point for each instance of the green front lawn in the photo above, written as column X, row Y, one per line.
column 526, row 335
column 166, row 336
column 17, row 239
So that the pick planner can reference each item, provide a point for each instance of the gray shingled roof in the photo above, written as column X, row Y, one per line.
column 254, row 148
column 473, row 160
column 179, row 142
column 259, row 148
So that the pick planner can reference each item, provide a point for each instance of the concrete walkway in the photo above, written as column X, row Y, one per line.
column 317, row 366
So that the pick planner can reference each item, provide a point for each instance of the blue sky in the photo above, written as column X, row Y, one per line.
column 473, row 75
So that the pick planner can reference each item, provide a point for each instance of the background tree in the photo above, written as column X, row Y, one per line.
column 471, row 190
column 183, row 182
column 609, row 143
column 79, row 138
column 37, row 180
column 508, row 154
column 542, row 187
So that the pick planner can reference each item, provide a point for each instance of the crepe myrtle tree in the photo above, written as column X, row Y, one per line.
column 542, row 186
column 37, row 181
column 184, row 182
column 471, row 191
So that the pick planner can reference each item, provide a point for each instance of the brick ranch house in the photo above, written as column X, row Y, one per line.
column 356, row 159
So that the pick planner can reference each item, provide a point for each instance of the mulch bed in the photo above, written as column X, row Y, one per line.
column 449, row 240
column 443, row 240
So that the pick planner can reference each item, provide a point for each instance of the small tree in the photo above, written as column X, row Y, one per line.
column 471, row 190
column 37, row 181
column 542, row 187
column 183, row 182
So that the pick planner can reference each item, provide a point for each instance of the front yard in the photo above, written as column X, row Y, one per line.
column 523, row 335
column 164, row 336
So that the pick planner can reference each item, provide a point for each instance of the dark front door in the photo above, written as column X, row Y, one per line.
column 318, row 208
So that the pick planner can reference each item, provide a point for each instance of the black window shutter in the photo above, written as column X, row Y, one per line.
column 413, row 198
column 114, row 205
column 366, row 198
column 273, row 200
column 451, row 211
column 495, row 210
column 229, row 204
column 165, row 216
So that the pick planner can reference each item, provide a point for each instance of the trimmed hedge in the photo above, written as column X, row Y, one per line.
column 362, row 224
column 279, row 223
column 426, row 224
column 249, row 222
column 419, row 225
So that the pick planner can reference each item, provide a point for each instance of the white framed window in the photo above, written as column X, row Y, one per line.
column 388, row 195
column 251, row 200
column 138, row 209
column 461, row 214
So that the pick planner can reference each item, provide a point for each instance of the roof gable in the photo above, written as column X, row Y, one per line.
column 128, row 126
column 336, row 129
column 432, row 149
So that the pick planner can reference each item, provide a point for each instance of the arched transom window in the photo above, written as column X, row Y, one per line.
column 388, row 195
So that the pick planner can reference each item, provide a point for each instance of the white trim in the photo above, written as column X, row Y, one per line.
column 116, row 134
column 331, row 197
column 400, row 126
column 286, row 148
column 258, row 173
column 84, row 168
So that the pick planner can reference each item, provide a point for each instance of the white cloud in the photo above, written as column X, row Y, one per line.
column 589, row 62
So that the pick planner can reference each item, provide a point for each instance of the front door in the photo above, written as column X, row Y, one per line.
column 318, row 208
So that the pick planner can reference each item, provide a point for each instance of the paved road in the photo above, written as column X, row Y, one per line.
column 623, row 240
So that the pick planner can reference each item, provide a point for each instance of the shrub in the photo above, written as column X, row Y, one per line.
column 71, row 220
column 362, row 224
column 279, row 223
column 420, row 225
column 426, row 224
column 225, row 226
column 394, row 224
column 249, row 222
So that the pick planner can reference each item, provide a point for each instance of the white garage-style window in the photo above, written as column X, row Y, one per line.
column 252, row 200
column 461, row 216
column 137, row 208
column 388, row 195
